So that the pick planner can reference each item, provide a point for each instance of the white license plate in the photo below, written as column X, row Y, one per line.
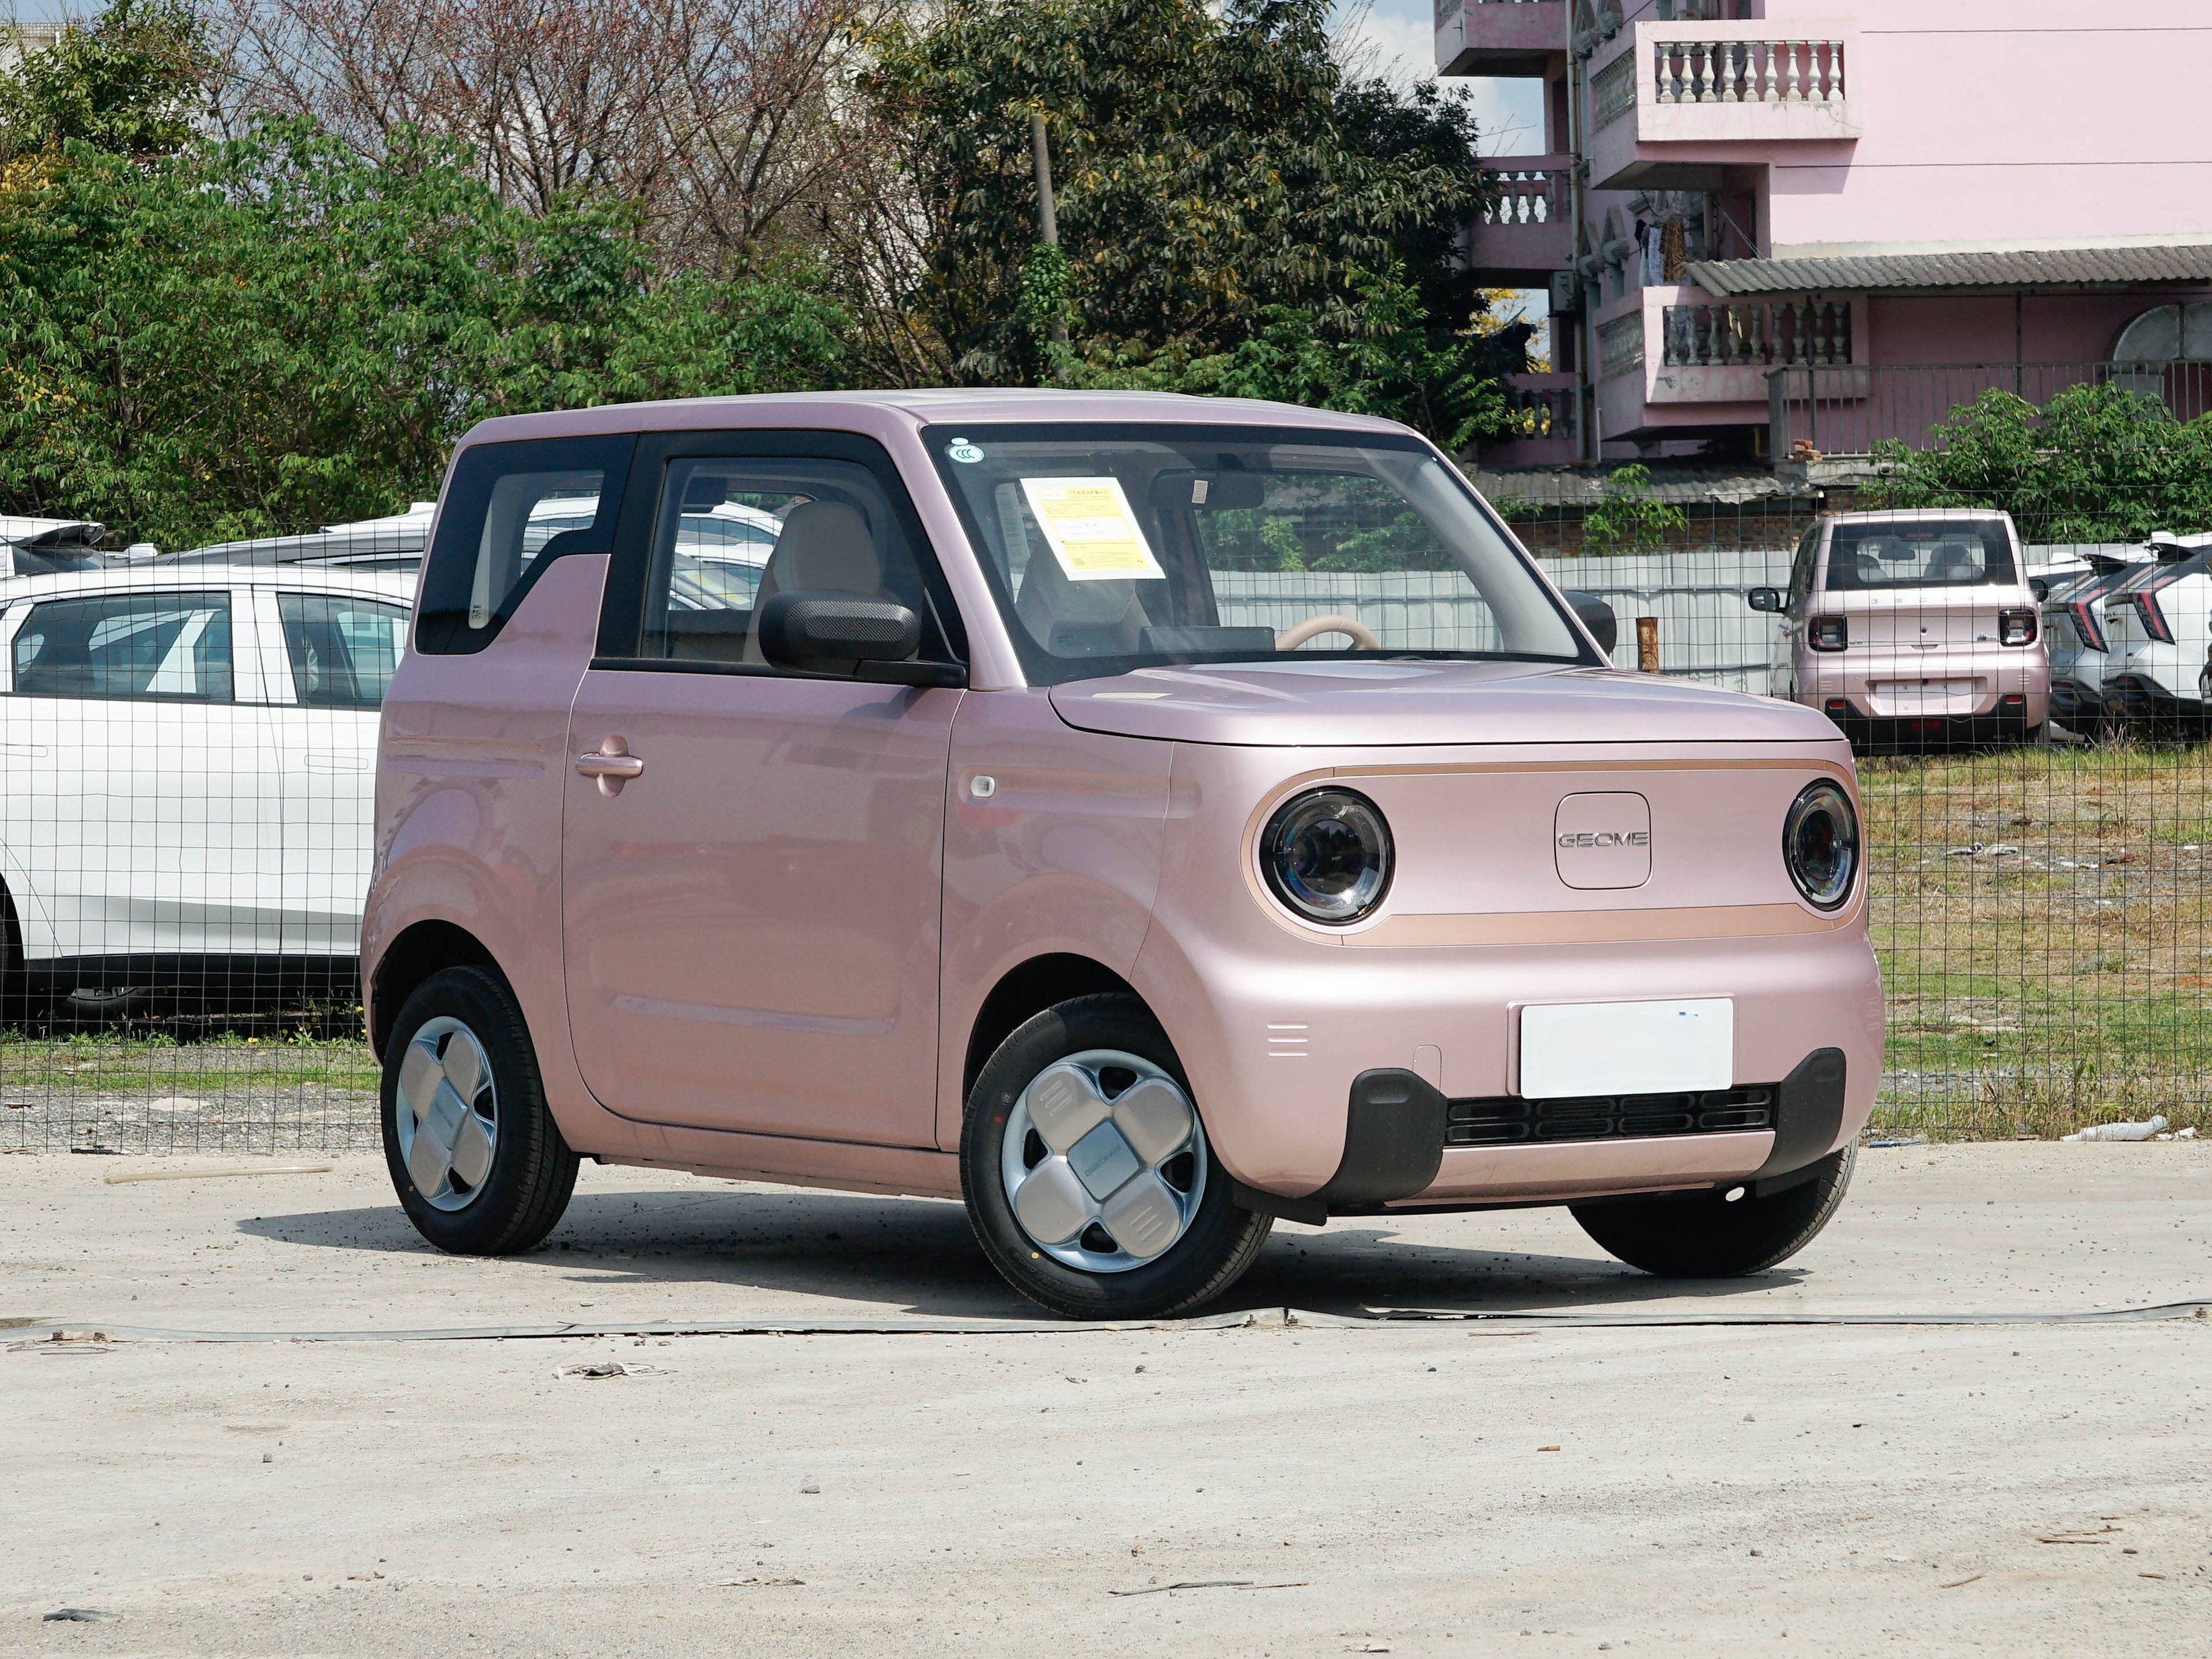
column 1573, row 1048
column 1924, row 691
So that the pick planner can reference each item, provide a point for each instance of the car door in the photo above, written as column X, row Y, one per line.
column 1792, row 629
column 751, row 923
column 331, row 654
column 144, row 812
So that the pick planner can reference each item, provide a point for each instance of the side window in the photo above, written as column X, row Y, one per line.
column 169, row 645
column 508, row 510
column 733, row 532
column 342, row 649
column 1801, row 571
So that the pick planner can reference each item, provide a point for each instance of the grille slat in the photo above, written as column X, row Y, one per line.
column 1507, row 1120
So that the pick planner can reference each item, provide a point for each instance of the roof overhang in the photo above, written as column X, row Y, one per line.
column 2047, row 270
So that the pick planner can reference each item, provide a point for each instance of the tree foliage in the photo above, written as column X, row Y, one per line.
column 1234, row 215
column 2098, row 463
column 1628, row 518
column 130, row 82
column 272, row 332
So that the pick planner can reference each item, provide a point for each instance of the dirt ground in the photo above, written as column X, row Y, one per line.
column 1904, row 1442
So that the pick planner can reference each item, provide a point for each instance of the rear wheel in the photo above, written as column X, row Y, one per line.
column 1712, row 1238
column 478, row 1163
column 14, row 988
column 1089, row 1180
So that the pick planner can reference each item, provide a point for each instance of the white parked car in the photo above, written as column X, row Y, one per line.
column 389, row 544
column 2160, row 626
column 2081, row 651
column 186, row 772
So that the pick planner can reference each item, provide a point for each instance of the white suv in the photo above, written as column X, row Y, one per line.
column 2160, row 626
column 187, row 761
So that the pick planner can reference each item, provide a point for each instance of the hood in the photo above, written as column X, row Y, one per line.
column 1332, row 704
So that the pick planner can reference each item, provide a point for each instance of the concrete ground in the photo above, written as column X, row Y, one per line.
column 1563, row 1457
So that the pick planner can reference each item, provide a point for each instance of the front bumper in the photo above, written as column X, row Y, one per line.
column 1276, row 1057
column 1400, row 1129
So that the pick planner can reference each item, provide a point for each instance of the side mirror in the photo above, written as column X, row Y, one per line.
column 835, row 633
column 1765, row 599
column 1597, row 616
column 2040, row 588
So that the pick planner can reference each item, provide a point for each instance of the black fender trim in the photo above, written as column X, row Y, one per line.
column 1809, row 1119
column 1393, row 1144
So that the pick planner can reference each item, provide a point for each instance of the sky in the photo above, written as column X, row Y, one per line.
column 1509, row 113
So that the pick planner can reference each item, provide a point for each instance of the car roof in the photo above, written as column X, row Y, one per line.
column 387, row 585
column 866, row 412
column 405, row 534
column 1919, row 515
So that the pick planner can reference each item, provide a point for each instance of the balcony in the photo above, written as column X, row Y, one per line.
column 1500, row 37
column 1676, row 357
column 1527, row 232
column 1679, row 101
column 1541, row 428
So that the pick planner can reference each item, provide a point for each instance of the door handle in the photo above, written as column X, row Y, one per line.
column 612, row 764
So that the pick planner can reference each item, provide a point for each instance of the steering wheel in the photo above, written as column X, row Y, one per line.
column 1362, row 636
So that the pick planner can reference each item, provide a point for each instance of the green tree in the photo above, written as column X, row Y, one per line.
column 264, row 334
column 130, row 82
column 1234, row 216
column 2098, row 463
column 1626, row 518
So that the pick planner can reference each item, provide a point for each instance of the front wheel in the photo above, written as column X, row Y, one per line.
column 479, row 1164
column 1712, row 1238
column 1089, row 1181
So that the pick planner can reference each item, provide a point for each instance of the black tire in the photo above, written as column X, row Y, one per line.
column 15, row 986
column 532, row 1171
column 1712, row 1238
column 1217, row 1244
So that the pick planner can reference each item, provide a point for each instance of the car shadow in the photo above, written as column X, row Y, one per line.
column 918, row 1256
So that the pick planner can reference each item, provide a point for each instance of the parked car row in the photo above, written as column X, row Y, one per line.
column 2145, row 640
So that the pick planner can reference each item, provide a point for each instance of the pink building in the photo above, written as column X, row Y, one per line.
column 1771, row 225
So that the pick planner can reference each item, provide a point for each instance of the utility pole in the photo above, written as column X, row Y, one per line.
column 1048, row 225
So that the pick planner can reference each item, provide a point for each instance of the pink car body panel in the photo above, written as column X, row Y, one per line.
column 767, row 955
column 1920, row 652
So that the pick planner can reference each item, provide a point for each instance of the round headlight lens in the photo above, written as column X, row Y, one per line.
column 1820, row 844
column 1327, row 854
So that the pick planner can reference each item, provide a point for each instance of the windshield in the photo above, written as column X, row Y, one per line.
column 1919, row 553
column 1123, row 547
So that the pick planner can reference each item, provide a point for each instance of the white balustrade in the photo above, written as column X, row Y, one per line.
column 1804, row 71
column 1777, row 333
column 1524, row 196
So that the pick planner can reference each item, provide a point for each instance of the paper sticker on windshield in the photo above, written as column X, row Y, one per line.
column 1088, row 525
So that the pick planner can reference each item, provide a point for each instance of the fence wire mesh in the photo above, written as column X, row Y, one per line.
column 188, row 755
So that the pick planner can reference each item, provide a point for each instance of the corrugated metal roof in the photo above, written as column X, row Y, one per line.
column 2081, row 267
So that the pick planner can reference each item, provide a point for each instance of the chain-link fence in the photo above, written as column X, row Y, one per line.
column 184, row 832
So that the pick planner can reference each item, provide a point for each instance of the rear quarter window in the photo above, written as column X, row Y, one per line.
column 509, row 511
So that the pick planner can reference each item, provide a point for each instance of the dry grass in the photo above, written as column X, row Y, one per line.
column 2040, row 916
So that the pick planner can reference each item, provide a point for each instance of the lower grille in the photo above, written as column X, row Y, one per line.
column 1508, row 1119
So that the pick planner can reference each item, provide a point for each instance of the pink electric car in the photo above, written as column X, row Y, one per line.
column 1916, row 627
column 1141, row 817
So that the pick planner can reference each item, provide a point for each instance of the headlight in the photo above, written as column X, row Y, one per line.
column 1820, row 844
column 1327, row 855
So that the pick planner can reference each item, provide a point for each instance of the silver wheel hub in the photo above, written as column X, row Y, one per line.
column 1104, row 1161
column 447, row 1112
